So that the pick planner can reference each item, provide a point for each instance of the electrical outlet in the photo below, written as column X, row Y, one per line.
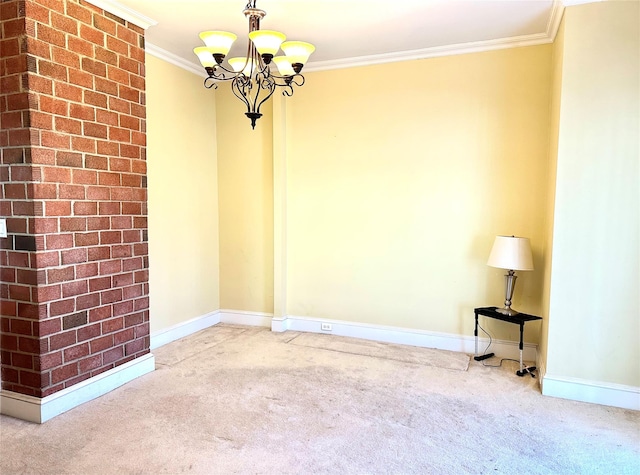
column 3, row 228
column 325, row 327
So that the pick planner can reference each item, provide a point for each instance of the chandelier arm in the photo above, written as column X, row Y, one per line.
column 268, row 84
column 210, row 82
column 239, row 90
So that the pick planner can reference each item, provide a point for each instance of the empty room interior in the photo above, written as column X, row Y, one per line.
column 151, row 234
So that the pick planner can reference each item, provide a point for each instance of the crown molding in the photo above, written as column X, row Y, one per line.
column 425, row 53
column 449, row 50
column 174, row 59
column 125, row 13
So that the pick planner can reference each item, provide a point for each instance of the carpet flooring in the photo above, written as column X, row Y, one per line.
column 245, row 400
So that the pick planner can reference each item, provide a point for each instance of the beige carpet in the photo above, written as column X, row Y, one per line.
column 386, row 351
column 243, row 400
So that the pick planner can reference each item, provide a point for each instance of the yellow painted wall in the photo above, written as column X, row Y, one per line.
column 556, row 94
column 594, row 312
column 246, row 205
column 183, row 196
column 399, row 178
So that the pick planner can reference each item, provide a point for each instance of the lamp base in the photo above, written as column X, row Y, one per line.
column 507, row 311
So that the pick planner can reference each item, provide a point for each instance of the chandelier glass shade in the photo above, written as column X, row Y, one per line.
column 252, row 78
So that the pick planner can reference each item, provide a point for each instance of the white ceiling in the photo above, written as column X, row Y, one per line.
column 349, row 32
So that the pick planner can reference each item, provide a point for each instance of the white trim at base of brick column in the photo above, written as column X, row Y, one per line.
column 40, row 410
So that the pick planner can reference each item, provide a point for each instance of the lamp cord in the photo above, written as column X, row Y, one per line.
column 488, row 346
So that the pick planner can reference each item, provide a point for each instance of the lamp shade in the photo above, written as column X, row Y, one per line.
column 267, row 41
column 284, row 66
column 205, row 55
column 219, row 41
column 297, row 51
column 242, row 64
column 512, row 253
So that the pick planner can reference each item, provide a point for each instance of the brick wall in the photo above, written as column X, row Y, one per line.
column 74, row 279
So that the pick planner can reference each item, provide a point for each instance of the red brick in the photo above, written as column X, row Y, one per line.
column 73, row 224
column 112, row 355
column 32, row 345
column 91, row 34
column 109, row 208
column 48, row 293
column 42, row 85
column 52, row 70
column 85, row 302
column 64, row 23
column 111, row 296
column 62, row 307
column 34, row 380
column 101, row 344
column 109, row 179
column 88, row 332
column 134, row 347
column 70, row 126
column 21, row 327
column 70, row 289
column 56, row 175
column 64, row 372
column 122, row 280
column 79, row 12
column 119, row 105
column 71, row 192
column 47, row 259
column 86, row 270
column 110, row 237
column 100, row 283
column 48, row 327
column 130, row 151
column 100, row 313
column 59, row 241
column 121, row 222
column 43, row 225
column 22, row 361
column 133, row 263
column 95, row 130
column 50, row 35
column 83, row 144
column 76, row 352
column 80, row 78
column 112, row 325
column 85, row 177
column 74, row 256
column 48, row 361
column 110, row 267
column 81, row 208
column 90, row 363
column 46, row 191
column 82, row 112
column 62, row 340
column 67, row 91
column 98, row 253
column 66, row 57
column 57, row 208
column 95, row 98
column 86, row 239
column 124, row 336
column 121, row 251
column 96, row 162
column 53, row 106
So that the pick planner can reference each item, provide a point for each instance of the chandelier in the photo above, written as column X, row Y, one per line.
column 252, row 79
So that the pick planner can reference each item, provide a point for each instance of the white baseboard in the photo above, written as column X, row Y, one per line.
column 40, row 410
column 597, row 392
column 406, row 336
column 182, row 329
column 239, row 317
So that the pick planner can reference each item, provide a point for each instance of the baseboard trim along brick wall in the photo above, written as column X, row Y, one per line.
column 40, row 410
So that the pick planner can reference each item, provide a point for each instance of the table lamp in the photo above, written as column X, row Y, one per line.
column 511, row 253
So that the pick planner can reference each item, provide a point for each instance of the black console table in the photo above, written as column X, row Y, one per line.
column 518, row 319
